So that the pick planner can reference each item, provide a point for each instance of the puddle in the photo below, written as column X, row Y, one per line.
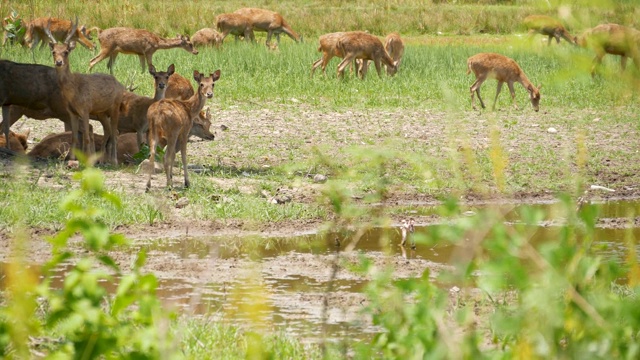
column 203, row 277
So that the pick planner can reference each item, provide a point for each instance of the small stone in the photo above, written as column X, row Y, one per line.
column 319, row 179
column 182, row 202
column 552, row 130
column 596, row 119
column 146, row 164
column 224, row 127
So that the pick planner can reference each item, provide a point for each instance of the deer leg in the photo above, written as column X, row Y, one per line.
column 111, row 62
column 114, row 116
column 344, row 63
column 316, row 64
column 6, row 125
column 183, row 153
column 152, row 151
column 550, row 40
column 101, row 56
column 597, row 61
column 513, row 94
column 169, row 159
column 376, row 62
column 144, row 58
column 269, row 34
column 623, row 62
column 475, row 89
column 497, row 93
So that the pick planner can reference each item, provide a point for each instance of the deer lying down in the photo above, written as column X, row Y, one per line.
column 503, row 69
column 612, row 39
column 36, row 32
column 18, row 142
column 236, row 25
column 548, row 26
column 269, row 21
column 135, row 41
column 172, row 119
column 58, row 146
column 206, row 37
column 361, row 45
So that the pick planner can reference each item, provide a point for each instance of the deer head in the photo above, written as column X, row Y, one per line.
column 61, row 51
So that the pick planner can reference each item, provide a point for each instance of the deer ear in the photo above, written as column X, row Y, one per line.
column 152, row 70
column 171, row 69
column 196, row 75
column 216, row 75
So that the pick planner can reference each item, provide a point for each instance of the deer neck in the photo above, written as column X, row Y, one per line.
column 524, row 80
column 169, row 43
column 159, row 94
column 195, row 104
column 66, row 81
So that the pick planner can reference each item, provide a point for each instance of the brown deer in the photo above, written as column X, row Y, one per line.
column 234, row 24
column 180, row 88
column 503, row 69
column 329, row 48
column 361, row 45
column 612, row 39
column 136, row 41
column 29, row 88
column 269, row 21
column 88, row 94
column 133, row 110
column 394, row 45
column 18, row 141
column 36, row 32
column 548, row 26
column 172, row 119
column 206, row 37
column 58, row 146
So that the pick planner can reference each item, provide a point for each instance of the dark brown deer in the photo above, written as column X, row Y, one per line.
column 269, row 21
column 36, row 32
column 548, row 26
column 136, row 41
column 490, row 65
column 367, row 47
column 235, row 24
column 26, row 88
column 87, row 94
column 172, row 119
column 133, row 111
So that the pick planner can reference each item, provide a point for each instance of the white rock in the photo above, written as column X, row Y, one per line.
column 552, row 130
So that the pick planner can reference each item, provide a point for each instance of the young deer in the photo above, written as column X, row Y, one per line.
column 172, row 120
column 135, row 41
column 234, row 24
column 503, row 69
column 97, row 95
column 180, row 88
column 133, row 110
column 360, row 45
column 394, row 45
column 60, row 28
column 329, row 48
column 269, row 21
column 206, row 37
column 612, row 39
column 548, row 26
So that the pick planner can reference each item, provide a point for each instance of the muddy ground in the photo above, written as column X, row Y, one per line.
column 263, row 138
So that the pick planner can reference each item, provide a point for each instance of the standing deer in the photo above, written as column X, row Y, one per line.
column 503, row 69
column 269, row 21
column 206, row 37
column 133, row 110
column 235, row 24
column 135, row 41
column 99, row 95
column 29, row 88
column 548, row 26
column 59, row 28
column 612, row 39
column 329, row 48
column 172, row 120
column 360, row 45
column 180, row 88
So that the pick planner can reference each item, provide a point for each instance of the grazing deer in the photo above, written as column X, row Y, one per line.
column 612, row 39
column 548, row 26
column 329, row 48
column 59, row 28
column 206, row 37
column 93, row 94
column 503, row 69
column 172, row 119
column 58, row 146
column 133, row 110
column 235, row 24
column 136, row 41
column 361, row 45
column 269, row 21
column 394, row 45
column 18, row 141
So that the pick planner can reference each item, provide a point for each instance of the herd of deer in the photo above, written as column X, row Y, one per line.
column 175, row 110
